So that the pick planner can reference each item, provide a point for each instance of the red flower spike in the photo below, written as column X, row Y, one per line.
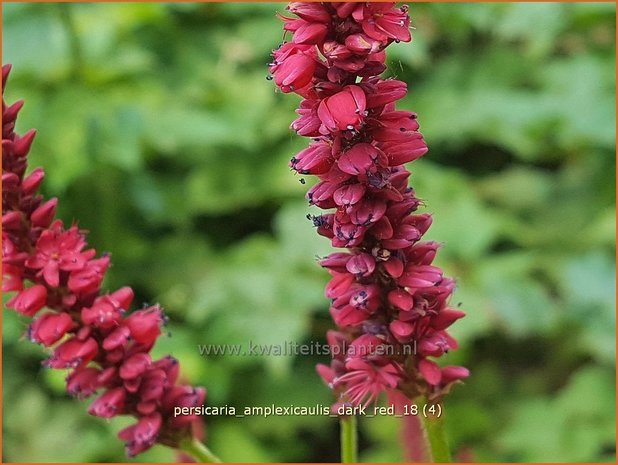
column 105, row 348
column 384, row 290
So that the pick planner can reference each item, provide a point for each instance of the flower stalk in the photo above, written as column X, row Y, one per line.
column 433, row 427
column 198, row 450
column 349, row 439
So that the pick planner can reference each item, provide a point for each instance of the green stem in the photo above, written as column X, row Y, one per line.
column 198, row 451
column 349, row 439
column 436, row 436
column 75, row 48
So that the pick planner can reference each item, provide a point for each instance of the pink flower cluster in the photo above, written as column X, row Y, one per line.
column 388, row 300
column 90, row 333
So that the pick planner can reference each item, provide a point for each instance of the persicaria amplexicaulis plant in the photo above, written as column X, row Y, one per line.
column 92, row 334
column 384, row 290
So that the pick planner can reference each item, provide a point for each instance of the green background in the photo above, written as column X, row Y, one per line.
column 161, row 135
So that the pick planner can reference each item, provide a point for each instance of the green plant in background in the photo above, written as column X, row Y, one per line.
column 150, row 106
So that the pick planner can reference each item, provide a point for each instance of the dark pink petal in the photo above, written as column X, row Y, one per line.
column 12, row 220
column 146, row 408
column 386, row 92
column 325, row 372
column 324, row 223
column 405, row 151
column 348, row 316
column 29, row 301
column 430, row 371
column 349, row 194
column 295, row 72
column 366, row 298
column 362, row 44
column 401, row 330
column 109, row 404
column 51, row 273
column 394, row 267
column 345, row 9
column 362, row 347
column 421, row 276
column 403, row 208
column 123, row 298
column 117, row 338
column 83, row 382
column 360, row 158
column 315, row 159
column 433, row 346
column 344, row 110
column 401, row 299
column 107, row 375
column 310, row 33
column 333, row 50
column 338, row 285
column 322, row 194
column 404, row 235
column 10, row 113
column 367, row 211
column 153, row 385
column 423, row 253
column 361, row 265
column 145, row 325
column 135, row 366
column 454, row 373
column 308, row 124
column 88, row 280
column 31, row 183
column 132, row 385
column 50, row 328
column 338, row 343
column 347, row 235
column 446, row 318
column 43, row 215
column 73, row 353
column 382, row 229
column 314, row 12
column 21, row 145
column 336, row 261
column 420, row 222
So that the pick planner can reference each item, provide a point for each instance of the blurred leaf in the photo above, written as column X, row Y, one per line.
column 578, row 424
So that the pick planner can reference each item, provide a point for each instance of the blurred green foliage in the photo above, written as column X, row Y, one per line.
column 160, row 133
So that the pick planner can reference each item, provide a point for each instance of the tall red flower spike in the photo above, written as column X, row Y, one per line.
column 90, row 333
column 389, row 302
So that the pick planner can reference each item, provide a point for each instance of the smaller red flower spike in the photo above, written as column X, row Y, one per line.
column 106, row 349
column 386, row 296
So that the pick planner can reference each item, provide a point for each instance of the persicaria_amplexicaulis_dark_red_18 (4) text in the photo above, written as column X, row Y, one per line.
column 57, row 282
column 389, row 302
